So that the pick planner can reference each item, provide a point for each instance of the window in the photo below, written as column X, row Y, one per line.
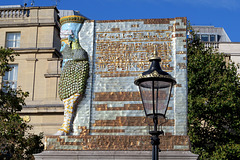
column 212, row 38
column 10, row 78
column 218, row 38
column 13, row 40
column 204, row 37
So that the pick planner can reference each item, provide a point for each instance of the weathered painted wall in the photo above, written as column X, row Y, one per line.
column 112, row 112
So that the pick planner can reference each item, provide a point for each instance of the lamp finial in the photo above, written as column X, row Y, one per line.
column 155, row 54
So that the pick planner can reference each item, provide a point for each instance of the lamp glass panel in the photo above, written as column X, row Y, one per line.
column 146, row 94
column 161, row 91
column 161, row 98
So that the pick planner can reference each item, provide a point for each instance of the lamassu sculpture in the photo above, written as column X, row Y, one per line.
column 75, row 70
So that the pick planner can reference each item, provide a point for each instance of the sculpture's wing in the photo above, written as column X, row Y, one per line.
column 80, row 55
column 67, row 52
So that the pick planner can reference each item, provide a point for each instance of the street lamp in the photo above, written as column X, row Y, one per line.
column 155, row 87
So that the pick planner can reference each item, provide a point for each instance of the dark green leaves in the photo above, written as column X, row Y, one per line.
column 213, row 101
column 15, row 140
column 6, row 56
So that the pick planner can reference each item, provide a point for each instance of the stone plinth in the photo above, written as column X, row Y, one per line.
column 114, row 143
column 110, row 122
column 114, row 155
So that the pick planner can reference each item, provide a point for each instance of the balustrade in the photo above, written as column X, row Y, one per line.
column 214, row 45
column 14, row 12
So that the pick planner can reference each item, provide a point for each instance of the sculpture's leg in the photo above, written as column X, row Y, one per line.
column 69, row 104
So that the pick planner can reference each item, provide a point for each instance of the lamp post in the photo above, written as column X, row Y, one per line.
column 155, row 87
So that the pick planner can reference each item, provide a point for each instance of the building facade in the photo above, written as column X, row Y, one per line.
column 217, row 38
column 33, row 32
column 211, row 34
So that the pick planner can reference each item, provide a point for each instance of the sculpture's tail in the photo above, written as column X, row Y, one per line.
column 68, row 114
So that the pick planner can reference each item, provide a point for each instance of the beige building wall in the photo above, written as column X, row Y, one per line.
column 222, row 42
column 233, row 50
column 230, row 49
column 38, row 63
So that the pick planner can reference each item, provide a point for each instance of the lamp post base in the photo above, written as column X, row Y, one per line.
column 155, row 141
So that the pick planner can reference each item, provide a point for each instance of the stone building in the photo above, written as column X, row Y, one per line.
column 217, row 38
column 33, row 32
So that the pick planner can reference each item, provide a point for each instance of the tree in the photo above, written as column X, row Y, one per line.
column 213, row 103
column 15, row 140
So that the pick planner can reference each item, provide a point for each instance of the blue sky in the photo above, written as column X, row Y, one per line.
column 220, row 13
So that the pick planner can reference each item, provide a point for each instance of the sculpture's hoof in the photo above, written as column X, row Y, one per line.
column 60, row 133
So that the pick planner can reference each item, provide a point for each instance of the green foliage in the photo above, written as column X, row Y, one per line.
column 6, row 56
column 15, row 140
column 213, row 103
column 228, row 151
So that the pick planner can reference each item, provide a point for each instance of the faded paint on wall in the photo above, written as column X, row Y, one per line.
column 118, row 51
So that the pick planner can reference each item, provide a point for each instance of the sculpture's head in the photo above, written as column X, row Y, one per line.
column 70, row 27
